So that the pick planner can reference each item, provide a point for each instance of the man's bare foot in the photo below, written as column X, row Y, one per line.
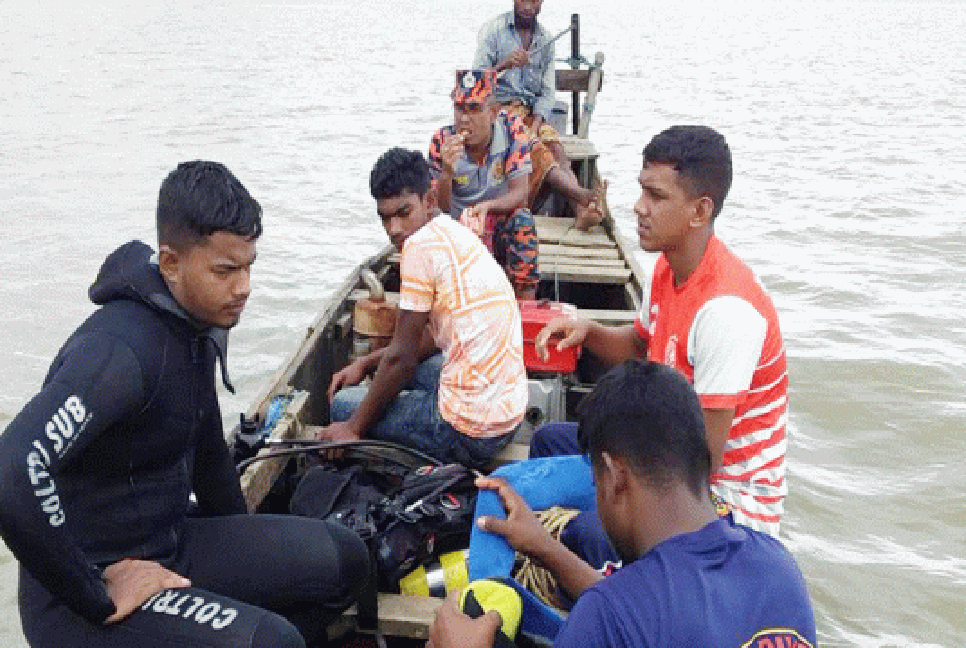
column 593, row 213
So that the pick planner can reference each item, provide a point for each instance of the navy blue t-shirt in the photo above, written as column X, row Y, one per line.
column 723, row 585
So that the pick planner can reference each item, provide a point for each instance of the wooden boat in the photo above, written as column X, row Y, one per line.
column 595, row 271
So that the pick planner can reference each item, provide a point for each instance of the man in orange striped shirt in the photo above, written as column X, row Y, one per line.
column 710, row 318
column 452, row 381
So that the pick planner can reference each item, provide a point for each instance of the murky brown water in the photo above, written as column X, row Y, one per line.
column 846, row 121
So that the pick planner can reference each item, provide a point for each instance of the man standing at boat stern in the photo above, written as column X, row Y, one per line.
column 521, row 52
column 710, row 318
column 452, row 381
column 98, row 470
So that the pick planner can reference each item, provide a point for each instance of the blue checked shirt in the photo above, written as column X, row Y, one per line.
column 534, row 84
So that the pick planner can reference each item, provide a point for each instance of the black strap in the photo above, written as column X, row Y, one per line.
column 367, row 598
column 291, row 447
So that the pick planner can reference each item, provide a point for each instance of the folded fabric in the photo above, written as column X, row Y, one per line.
column 542, row 483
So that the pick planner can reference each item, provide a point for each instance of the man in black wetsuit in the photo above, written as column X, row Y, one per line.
column 97, row 470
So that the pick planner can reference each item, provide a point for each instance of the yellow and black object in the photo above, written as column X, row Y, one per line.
column 484, row 595
column 445, row 574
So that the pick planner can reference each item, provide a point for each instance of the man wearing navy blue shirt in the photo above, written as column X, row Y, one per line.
column 690, row 577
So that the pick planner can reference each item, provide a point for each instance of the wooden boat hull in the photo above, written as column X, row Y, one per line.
column 595, row 271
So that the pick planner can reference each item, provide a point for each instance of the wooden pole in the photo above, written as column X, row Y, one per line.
column 590, row 100
column 574, row 53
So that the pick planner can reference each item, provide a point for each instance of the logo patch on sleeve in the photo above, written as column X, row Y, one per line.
column 777, row 638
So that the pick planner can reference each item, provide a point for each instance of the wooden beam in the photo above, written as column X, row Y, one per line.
column 575, row 80
column 548, row 261
column 561, row 230
column 579, row 274
column 579, row 252
column 578, row 148
column 574, row 237
column 258, row 479
column 403, row 616
column 590, row 100
column 609, row 316
column 512, row 453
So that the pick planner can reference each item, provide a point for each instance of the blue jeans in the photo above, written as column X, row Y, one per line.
column 413, row 420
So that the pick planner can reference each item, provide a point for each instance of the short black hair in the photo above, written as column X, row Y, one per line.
column 700, row 154
column 648, row 414
column 200, row 198
column 398, row 170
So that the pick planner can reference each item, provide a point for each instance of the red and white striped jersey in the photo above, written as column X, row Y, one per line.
column 720, row 329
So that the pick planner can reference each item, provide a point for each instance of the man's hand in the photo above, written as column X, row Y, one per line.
column 132, row 582
column 521, row 528
column 453, row 629
column 475, row 218
column 519, row 58
column 338, row 431
column 535, row 126
column 573, row 329
column 352, row 375
column 451, row 150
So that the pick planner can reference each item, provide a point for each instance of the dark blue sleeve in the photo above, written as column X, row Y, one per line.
column 95, row 382
column 215, row 480
column 591, row 623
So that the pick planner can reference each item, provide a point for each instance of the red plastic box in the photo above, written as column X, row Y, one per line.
column 535, row 315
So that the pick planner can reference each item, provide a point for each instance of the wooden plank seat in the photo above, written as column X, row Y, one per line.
column 578, row 251
column 513, row 453
column 609, row 316
column 589, row 83
column 578, row 149
column 550, row 261
column 575, row 80
column 582, row 274
column 561, row 232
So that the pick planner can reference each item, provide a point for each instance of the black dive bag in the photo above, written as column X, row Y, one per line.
column 405, row 515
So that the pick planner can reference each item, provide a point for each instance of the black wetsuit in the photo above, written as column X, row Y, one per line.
column 100, row 466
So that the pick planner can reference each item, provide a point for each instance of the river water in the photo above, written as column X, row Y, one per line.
column 847, row 122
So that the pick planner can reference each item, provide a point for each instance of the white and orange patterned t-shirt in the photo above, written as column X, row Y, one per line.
column 720, row 329
column 447, row 272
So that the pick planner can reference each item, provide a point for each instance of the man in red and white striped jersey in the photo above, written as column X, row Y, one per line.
column 710, row 318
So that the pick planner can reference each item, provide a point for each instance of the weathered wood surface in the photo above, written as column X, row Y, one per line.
column 284, row 375
column 561, row 231
column 590, row 99
column 258, row 479
column 403, row 616
column 567, row 254
column 609, row 316
column 578, row 149
column 581, row 252
column 576, row 80
column 513, row 453
column 548, row 262
column 582, row 274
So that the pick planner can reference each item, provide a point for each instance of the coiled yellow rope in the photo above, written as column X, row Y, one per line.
column 533, row 577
